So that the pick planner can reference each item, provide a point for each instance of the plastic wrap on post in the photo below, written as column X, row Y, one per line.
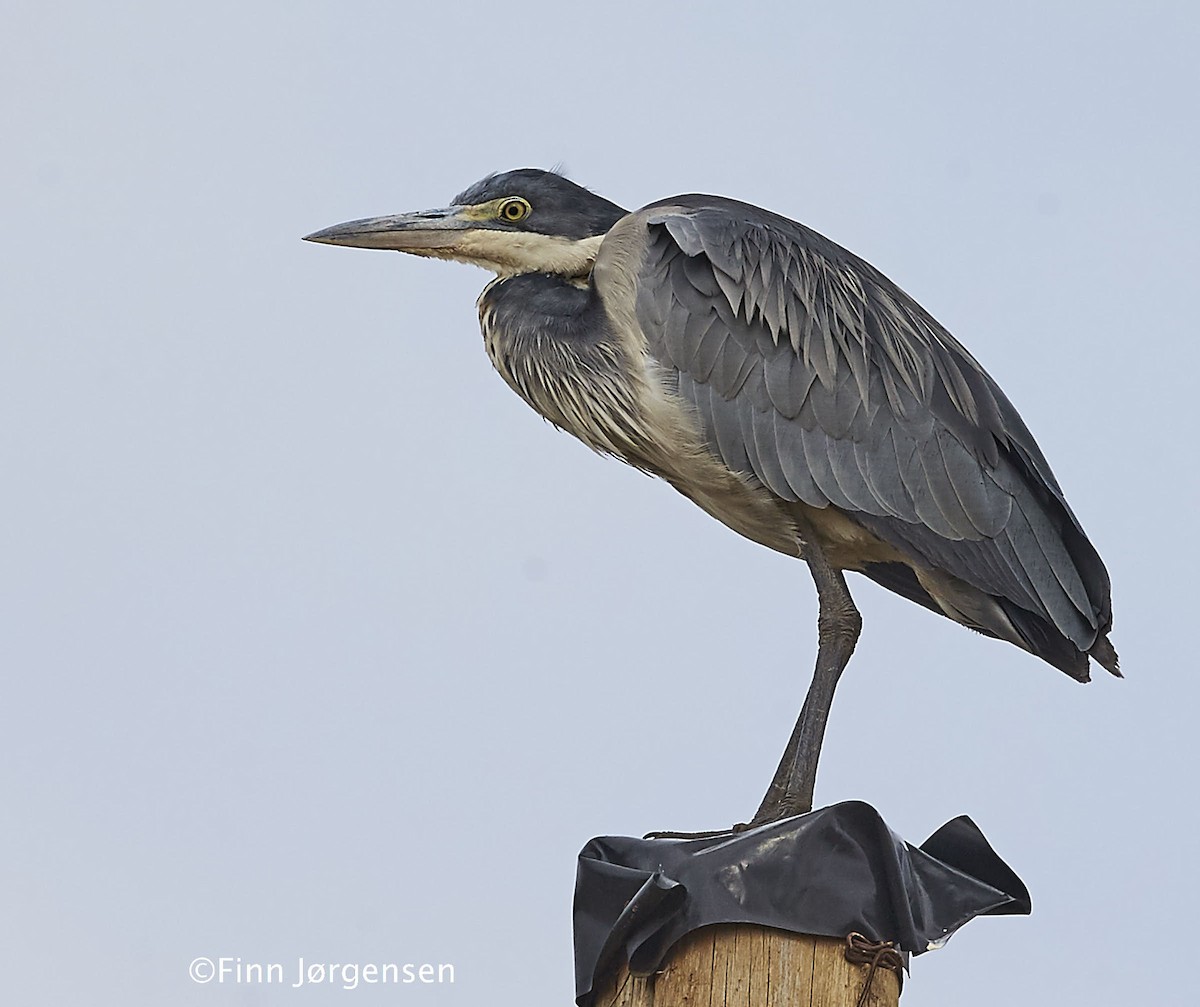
column 831, row 872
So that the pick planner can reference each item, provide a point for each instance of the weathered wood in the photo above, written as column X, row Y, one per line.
column 739, row 965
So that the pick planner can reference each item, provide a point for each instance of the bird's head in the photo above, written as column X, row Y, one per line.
column 523, row 221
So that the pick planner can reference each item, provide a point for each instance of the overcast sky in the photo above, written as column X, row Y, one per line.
column 317, row 642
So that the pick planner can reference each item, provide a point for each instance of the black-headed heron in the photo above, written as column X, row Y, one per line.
column 794, row 393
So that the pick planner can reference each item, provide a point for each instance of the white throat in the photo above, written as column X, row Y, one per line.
column 507, row 253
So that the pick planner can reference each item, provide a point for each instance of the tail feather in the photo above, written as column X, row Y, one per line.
column 1043, row 639
column 1105, row 655
column 1007, row 620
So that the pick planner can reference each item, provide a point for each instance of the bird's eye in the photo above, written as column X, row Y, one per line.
column 513, row 209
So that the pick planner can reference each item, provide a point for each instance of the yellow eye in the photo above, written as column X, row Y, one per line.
column 513, row 209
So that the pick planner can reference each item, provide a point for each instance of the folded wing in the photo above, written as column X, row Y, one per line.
column 818, row 376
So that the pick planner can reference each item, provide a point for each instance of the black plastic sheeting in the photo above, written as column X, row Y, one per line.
column 832, row 872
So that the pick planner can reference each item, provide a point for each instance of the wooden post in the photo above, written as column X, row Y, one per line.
column 741, row 965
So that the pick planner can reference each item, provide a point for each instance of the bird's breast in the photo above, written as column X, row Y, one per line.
column 590, row 375
column 552, row 344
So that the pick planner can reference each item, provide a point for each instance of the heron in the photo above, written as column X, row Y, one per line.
column 794, row 393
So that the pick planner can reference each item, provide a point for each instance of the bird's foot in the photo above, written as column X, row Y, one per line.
column 787, row 807
column 733, row 830
column 778, row 812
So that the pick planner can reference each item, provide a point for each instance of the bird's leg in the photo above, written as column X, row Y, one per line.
column 838, row 626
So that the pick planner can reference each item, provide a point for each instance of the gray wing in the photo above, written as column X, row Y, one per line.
column 816, row 374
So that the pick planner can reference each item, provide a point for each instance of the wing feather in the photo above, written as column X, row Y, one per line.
column 813, row 373
column 880, row 466
column 788, row 383
column 792, row 461
column 820, row 465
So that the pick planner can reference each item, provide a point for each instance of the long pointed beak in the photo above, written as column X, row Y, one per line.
column 406, row 232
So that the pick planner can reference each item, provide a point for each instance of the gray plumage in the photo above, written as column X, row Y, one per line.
column 792, row 391
column 813, row 371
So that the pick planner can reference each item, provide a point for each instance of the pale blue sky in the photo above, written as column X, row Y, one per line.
column 285, row 565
